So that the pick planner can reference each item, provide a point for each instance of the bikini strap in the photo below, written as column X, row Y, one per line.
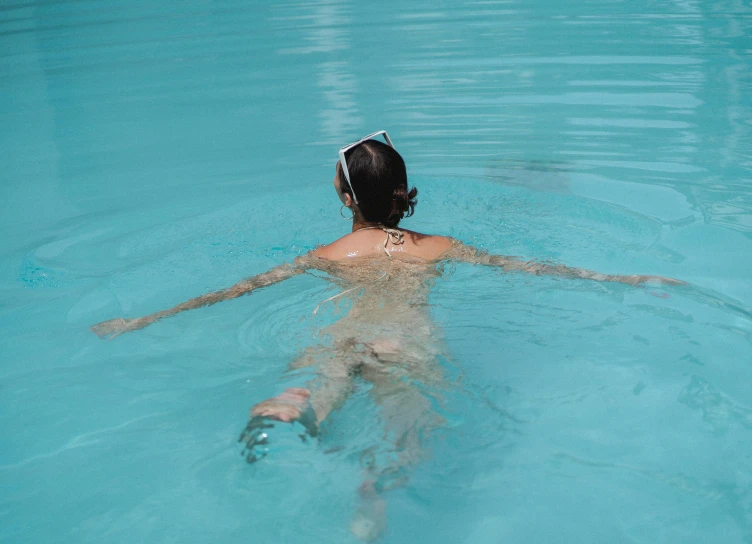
column 395, row 236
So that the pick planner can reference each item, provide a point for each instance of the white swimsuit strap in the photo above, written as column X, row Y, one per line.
column 395, row 236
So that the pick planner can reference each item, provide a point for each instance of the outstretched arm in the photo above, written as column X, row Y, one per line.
column 470, row 254
column 115, row 327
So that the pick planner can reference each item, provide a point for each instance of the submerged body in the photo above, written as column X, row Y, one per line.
column 388, row 280
column 387, row 337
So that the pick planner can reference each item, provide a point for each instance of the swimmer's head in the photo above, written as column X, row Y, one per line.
column 378, row 176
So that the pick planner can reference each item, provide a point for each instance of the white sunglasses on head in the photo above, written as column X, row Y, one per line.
column 348, row 147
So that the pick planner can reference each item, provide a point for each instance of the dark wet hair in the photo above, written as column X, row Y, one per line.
column 378, row 176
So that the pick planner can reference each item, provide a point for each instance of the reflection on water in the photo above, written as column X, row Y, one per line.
column 155, row 151
column 653, row 87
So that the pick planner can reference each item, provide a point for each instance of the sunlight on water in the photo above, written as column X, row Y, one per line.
column 154, row 152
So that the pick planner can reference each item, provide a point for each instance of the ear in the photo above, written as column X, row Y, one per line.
column 348, row 200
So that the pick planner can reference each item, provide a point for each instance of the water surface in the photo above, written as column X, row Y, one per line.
column 154, row 152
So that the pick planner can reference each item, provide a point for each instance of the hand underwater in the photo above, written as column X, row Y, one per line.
column 115, row 327
column 637, row 279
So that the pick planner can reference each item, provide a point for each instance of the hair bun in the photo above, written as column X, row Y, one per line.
column 403, row 203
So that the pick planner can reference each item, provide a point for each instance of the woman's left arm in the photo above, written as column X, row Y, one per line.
column 470, row 254
column 115, row 327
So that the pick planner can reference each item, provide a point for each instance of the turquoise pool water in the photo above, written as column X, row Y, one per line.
column 152, row 152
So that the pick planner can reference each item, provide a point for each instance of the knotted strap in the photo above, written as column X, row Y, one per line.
column 395, row 236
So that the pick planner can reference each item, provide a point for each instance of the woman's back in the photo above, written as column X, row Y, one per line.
column 383, row 286
column 377, row 241
column 386, row 274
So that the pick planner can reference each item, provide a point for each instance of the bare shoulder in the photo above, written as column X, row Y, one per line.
column 427, row 246
column 341, row 249
column 370, row 242
column 342, row 246
column 329, row 251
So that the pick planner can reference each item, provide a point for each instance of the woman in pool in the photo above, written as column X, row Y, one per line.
column 387, row 338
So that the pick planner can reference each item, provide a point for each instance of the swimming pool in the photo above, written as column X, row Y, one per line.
column 153, row 152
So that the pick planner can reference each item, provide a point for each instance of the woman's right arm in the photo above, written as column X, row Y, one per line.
column 469, row 254
column 115, row 327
